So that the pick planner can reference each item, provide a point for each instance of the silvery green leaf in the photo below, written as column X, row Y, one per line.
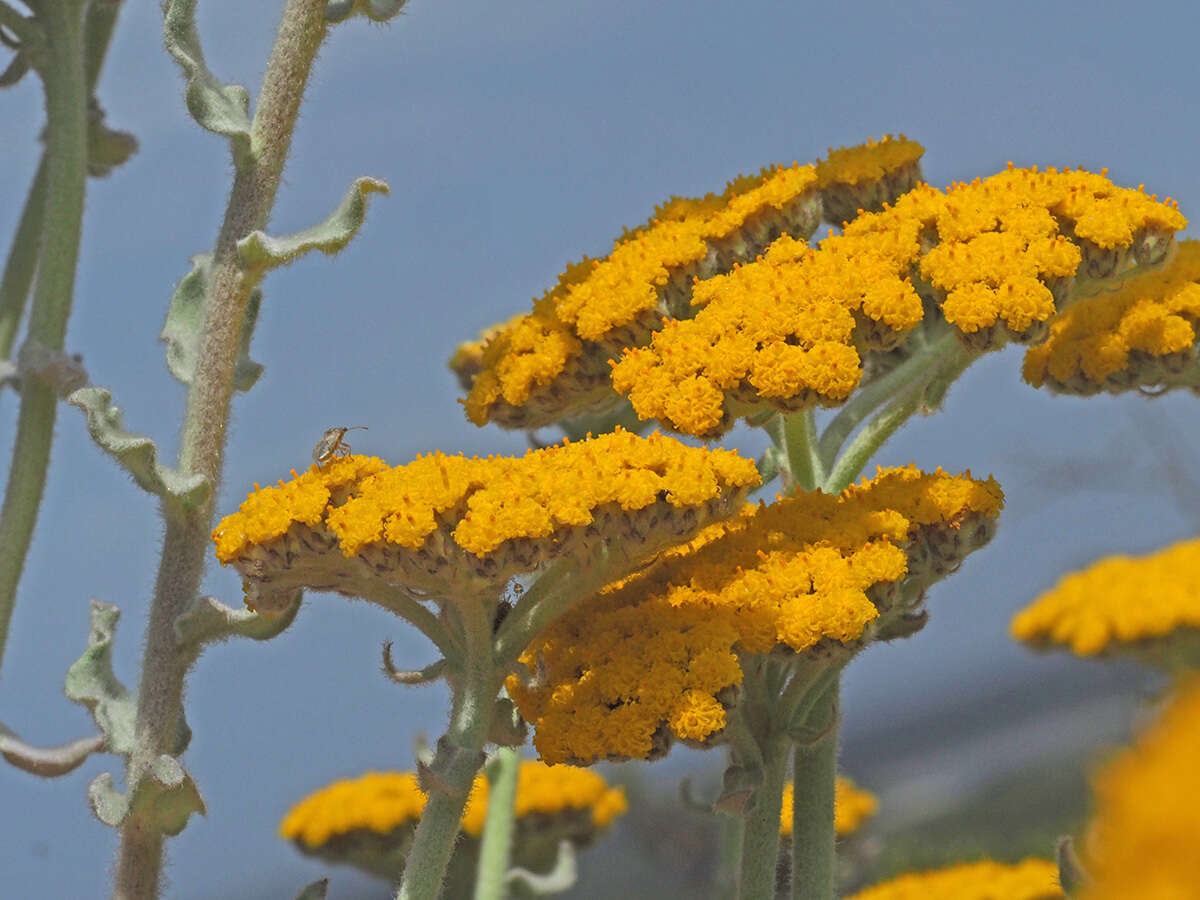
column 92, row 682
column 258, row 250
column 48, row 762
column 208, row 620
column 561, row 878
column 184, row 327
column 220, row 108
column 135, row 453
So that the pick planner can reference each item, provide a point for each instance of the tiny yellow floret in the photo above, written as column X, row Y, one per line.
column 1033, row 879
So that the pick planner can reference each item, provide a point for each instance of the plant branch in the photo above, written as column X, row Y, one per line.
column 449, row 778
column 760, row 841
column 66, row 173
column 491, row 879
column 22, row 262
column 795, row 436
column 185, row 547
column 814, row 774
column 24, row 27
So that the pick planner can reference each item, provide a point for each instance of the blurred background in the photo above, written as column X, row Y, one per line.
column 516, row 137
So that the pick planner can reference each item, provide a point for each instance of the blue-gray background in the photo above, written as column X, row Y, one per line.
column 515, row 137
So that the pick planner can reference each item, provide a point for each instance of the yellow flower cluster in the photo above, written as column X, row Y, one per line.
column 1139, row 336
column 851, row 807
column 381, row 802
column 441, row 519
column 1143, row 840
column 1033, row 879
column 552, row 362
column 866, row 176
column 1120, row 604
column 996, row 256
column 655, row 657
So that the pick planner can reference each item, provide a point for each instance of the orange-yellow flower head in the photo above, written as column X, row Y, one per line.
column 368, row 821
column 865, row 177
column 1143, row 838
column 447, row 525
column 551, row 363
column 852, row 807
column 1140, row 336
column 994, row 259
column 1033, row 879
column 655, row 657
column 1148, row 607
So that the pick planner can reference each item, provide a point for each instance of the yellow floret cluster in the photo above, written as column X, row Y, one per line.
column 789, row 330
column 851, row 807
column 1142, row 335
column 1032, row 879
column 381, row 802
column 1143, row 836
column 655, row 656
column 866, row 176
column 550, row 363
column 1119, row 604
column 441, row 516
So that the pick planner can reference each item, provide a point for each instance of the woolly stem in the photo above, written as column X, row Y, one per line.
column 795, row 435
column 814, row 776
column 459, row 757
column 62, row 219
column 22, row 262
column 760, row 841
column 164, row 664
column 491, row 880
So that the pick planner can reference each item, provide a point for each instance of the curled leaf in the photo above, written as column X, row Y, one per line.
column 315, row 891
column 208, row 620
column 375, row 10
column 47, row 762
column 135, row 453
column 431, row 672
column 223, row 109
column 258, row 250
column 165, row 796
column 183, row 329
column 561, row 878
column 92, row 682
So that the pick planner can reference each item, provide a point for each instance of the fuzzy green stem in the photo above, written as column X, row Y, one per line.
column 760, row 842
column 185, row 547
column 24, row 27
column 22, row 262
column 729, row 855
column 491, row 880
column 942, row 367
column 98, row 27
column 556, row 589
column 795, row 435
column 66, row 173
column 459, row 757
column 814, row 775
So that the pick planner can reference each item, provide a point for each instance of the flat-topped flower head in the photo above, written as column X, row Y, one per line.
column 994, row 259
column 655, row 657
column 449, row 525
column 1140, row 336
column 1142, row 839
column 864, row 177
column 369, row 821
column 551, row 364
column 1033, row 879
column 851, row 808
column 1147, row 607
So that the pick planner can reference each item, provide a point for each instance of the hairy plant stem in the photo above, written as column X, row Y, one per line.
column 491, row 880
column 760, row 838
column 459, row 757
column 22, row 261
column 62, row 219
column 185, row 546
column 814, row 774
column 795, row 436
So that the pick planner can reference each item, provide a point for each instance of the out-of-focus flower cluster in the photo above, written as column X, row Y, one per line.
column 369, row 821
column 852, row 807
column 1143, row 839
column 1142, row 335
column 443, row 524
column 1033, row 879
column 1148, row 607
column 656, row 656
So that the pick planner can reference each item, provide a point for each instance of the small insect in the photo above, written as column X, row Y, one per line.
column 333, row 443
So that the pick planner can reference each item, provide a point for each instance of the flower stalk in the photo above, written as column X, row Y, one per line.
column 491, row 881
column 164, row 664
column 62, row 70
column 814, row 766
